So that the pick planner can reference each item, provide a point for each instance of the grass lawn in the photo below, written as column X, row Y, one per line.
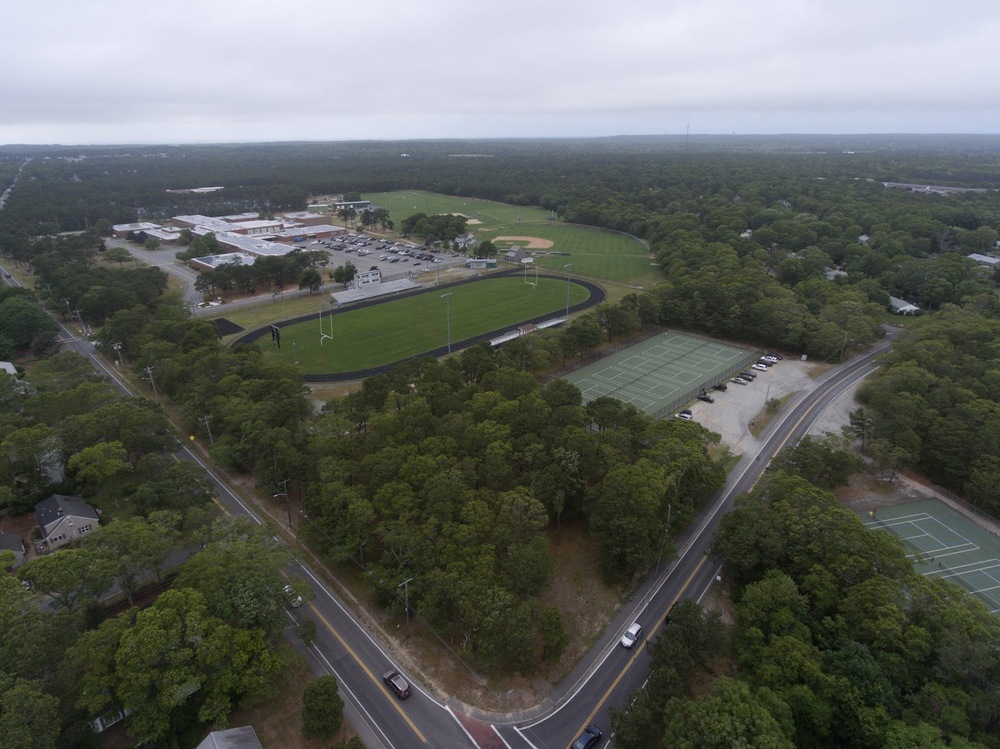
column 404, row 203
column 595, row 253
column 386, row 333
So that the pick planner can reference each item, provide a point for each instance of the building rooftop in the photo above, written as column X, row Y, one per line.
column 231, row 738
column 59, row 505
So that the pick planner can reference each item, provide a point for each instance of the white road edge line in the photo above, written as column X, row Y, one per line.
column 494, row 729
column 341, row 684
column 464, row 730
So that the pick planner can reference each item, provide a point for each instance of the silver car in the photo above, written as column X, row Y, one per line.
column 632, row 635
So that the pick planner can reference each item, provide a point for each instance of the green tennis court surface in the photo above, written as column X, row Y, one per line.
column 662, row 373
column 944, row 543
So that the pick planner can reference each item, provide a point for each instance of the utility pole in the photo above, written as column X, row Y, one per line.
column 405, row 585
column 204, row 420
column 569, row 271
column 118, row 351
column 288, row 502
column 152, row 383
column 447, row 302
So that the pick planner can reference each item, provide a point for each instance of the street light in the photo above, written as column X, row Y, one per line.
column 447, row 303
column 569, row 270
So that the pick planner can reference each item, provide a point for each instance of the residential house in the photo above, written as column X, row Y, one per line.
column 243, row 737
column 902, row 307
column 62, row 519
column 12, row 542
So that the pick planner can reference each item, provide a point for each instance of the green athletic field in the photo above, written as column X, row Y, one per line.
column 595, row 253
column 404, row 203
column 381, row 334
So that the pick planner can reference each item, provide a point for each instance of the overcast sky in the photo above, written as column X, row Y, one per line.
column 178, row 71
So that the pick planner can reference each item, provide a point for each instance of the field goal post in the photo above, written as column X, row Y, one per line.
column 322, row 332
column 533, row 284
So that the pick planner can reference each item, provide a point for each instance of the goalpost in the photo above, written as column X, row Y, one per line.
column 322, row 332
column 534, row 283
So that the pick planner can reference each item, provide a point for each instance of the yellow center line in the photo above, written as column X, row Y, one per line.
column 614, row 684
column 394, row 702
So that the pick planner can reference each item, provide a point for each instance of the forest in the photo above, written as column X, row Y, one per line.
column 455, row 470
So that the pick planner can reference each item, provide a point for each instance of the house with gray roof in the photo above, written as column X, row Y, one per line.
column 12, row 542
column 62, row 519
column 902, row 307
column 243, row 737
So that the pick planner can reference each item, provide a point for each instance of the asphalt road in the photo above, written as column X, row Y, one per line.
column 343, row 645
column 345, row 648
column 610, row 673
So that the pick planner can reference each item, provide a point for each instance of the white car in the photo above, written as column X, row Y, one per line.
column 772, row 359
column 631, row 636
column 759, row 367
column 686, row 415
column 293, row 598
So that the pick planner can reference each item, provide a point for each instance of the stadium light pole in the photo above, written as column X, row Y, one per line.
column 569, row 271
column 447, row 306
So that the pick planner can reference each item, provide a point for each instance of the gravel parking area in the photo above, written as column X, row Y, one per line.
column 733, row 411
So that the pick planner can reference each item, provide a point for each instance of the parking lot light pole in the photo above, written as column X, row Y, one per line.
column 447, row 304
column 569, row 271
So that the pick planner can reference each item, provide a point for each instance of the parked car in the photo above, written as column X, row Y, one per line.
column 759, row 367
column 748, row 376
column 632, row 634
column 779, row 357
column 765, row 362
column 771, row 359
column 590, row 736
column 395, row 681
column 740, row 381
column 706, row 397
column 721, row 387
column 686, row 415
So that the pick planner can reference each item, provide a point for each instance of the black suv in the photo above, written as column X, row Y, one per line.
column 721, row 387
column 706, row 397
column 395, row 681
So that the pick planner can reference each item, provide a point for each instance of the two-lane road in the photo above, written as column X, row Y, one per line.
column 345, row 647
column 610, row 673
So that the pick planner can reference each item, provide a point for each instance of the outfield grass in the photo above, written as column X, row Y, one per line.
column 595, row 253
column 404, row 203
column 386, row 333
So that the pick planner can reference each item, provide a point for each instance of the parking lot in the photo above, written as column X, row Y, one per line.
column 391, row 259
column 735, row 409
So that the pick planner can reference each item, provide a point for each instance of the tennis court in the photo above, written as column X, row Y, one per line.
column 661, row 373
column 944, row 543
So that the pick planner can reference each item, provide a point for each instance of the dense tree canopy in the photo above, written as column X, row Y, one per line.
column 455, row 475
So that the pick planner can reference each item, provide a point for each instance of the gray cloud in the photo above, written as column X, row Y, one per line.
column 191, row 70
